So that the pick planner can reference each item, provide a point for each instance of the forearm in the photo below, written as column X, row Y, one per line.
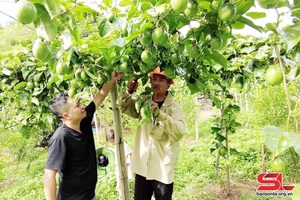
column 103, row 92
column 50, row 188
column 127, row 104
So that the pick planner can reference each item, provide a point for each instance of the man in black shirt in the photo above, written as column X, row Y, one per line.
column 71, row 150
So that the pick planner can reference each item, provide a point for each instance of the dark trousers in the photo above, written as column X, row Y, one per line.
column 144, row 189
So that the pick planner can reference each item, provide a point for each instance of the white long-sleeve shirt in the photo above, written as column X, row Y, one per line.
column 156, row 145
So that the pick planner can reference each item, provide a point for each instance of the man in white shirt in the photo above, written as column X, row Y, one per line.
column 156, row 145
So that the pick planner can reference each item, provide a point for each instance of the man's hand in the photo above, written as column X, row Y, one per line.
column 155, row 109
column 116, row 75
column 103, row 92
column 132, row 85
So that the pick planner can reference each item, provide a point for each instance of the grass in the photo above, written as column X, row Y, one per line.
column 195, row 172
column 22, row 165
column 13, row 35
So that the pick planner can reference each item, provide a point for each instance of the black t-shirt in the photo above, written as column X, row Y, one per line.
column 73, row 155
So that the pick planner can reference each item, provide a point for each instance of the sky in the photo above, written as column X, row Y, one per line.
column 7, row 7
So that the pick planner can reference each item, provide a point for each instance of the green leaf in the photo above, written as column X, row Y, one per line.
column 20, row 85
column 290, row 35
column 193, row 87
column 132, row 12
column 108, row 3
column 235, row 124
column 24, row 98
column 53, row 7
column 5, row 101
column 296, row 12
column 248, row 50
column 212, row 150
column 296, row 3
column 215, row 129
column 124, row 3
column 220, row 137
column 234, row 151
column 25, row 131
column 286, row 141
column 183, row 20
column 4, row 131
column 205, row 6
column 248, row 22
column 52, row 80
column 297, row 144
column 256, row 15
column 103, row 27
column 271, row 27
column 28, row 64
column 213, row 76
column 35, row 101
column 69, row 18
column 89, row 73
column 47, row 118
column 6, row 71
column 216, row 57
column 272, row 136
column 238, row 25
column 216, row 102
column 144, row 6
column 282, row 3
column 242, row 6
column 153, row 2
column 45, row 27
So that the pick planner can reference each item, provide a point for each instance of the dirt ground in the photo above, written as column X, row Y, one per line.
column 235, row 191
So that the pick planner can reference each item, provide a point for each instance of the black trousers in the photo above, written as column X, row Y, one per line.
column 144, row 189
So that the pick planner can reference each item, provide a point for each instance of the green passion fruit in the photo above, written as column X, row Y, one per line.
column 25, row 12
column 216, row 42
column 277, row 165
column 158, row 35
column 62, row 68
column 191, row 9
column 227, row 12
column 146, row 56
column 122, row 67
column 274, row 75
column 179, row 5
column 146, row 39
column 41, row 51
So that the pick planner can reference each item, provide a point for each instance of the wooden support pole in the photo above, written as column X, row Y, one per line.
column 122, row 177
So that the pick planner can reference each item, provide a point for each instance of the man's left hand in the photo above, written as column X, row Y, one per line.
column 155, row 109
column 116, row 75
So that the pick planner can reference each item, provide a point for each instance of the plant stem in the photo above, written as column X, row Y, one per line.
column 227, row 161
column 285, row 86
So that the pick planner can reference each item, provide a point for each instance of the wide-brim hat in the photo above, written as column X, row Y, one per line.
column 157, row 71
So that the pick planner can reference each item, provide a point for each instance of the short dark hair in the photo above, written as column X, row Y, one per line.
column 110, row 135
column 57, row 103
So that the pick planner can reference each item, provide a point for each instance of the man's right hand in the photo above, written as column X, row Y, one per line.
column 132, row 85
